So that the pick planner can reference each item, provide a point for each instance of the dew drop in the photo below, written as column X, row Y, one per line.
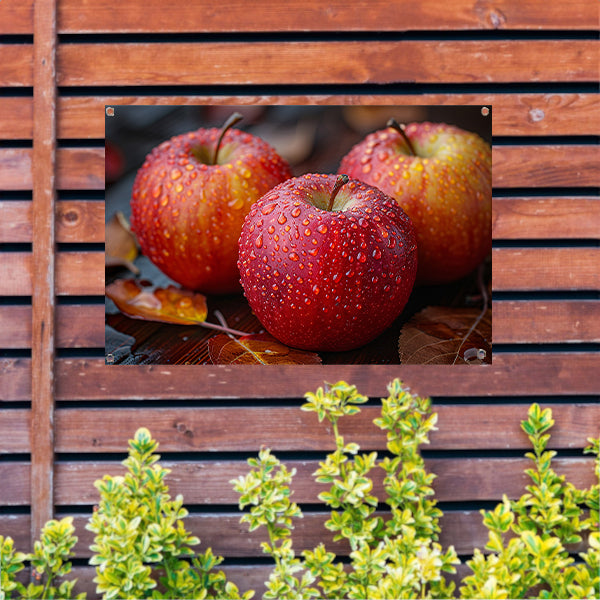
column 237, row 203
column 281, row 219
column 376, row 254
column 258, row 242
column 293, row 256
column 361, row 257
column 322, row 228
column 316, row 290
column 392, row 242
column 175, row 174
column 296, row 211
column 307, row 232
column 268, row 209
column 271, row 229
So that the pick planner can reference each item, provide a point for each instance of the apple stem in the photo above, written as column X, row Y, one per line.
column 341, row 180
column 400, row 129
column 236, row 117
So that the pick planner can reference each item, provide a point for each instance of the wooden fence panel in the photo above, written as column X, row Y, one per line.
column 65, row 415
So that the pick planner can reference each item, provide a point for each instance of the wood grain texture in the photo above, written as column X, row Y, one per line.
column 538, row 321
column 77, row 326
column 296, row 15
column 523, row 374
column 75, row 220
column 77, row 274
column 553, row 166
column 513, row 114
column 43, row 263
column 269, row 63
column 15, row 434
column 16, row 66
column 290, row 429
column 546, row 218
column 543, row 269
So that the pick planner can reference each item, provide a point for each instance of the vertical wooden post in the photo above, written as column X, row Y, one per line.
column 43, row 300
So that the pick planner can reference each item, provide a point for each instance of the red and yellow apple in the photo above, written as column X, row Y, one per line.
column 441, row 176
column 327, row 263
column 190, row 198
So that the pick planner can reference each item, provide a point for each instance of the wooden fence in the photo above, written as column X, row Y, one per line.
column 65, row 416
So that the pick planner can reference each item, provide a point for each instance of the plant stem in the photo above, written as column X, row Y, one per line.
column 236, row 117
column 341, row 180
column 400, row 129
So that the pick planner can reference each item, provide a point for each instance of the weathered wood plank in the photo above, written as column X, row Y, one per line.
column 16, row 67
column 290, row 429
column 15, row 430
column 296, row 15
column 545, row 269
column 539, row 321
column 545, row 218
column 553, row 166
column 522, row 374
column 77, row 273
column 269, row 63
column 75, row 220
column 513, row 114
column 77, row 326
column 43, row 261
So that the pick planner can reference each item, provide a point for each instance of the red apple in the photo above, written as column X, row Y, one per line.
column 190, row 198
column 327, row 263
column 441, row 176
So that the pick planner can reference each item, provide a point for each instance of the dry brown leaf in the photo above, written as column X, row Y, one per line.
column 258, row 349
column 120, row 244
column 167, row 305
column 440, row 335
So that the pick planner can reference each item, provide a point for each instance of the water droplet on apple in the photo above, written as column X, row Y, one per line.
column 271, row 229
column 293, row 256
column 376, row 254
column 366, row 168
column 258, row 242
column 281, row 219
column 361, row 257
column 237, row 203
column 296, row 211
column 307, row 232
column 322, row 228
column 175, row 174
column 268, row 209
column 336, row 277
column 392, row 242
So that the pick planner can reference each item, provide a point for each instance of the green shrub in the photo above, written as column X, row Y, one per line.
column 141, row 548
column 400, row 557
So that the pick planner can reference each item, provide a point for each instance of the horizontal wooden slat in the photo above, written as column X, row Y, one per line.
column 301, row 15
column 76, row 221
column 77, row 273
column 513, row 166
column 546, row 166
column 545, row 218
column 77, row 168
column 16, row 66
column 77, row 326
column 539, row 321
column 269, row 63
column 521, row 374
column 513, row 114
column 208, row 482
column 290, row 429
column 545, row 269
column 15, row 433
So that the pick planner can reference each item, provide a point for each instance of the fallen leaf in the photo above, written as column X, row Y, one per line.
column 120, row 244
column 167, row 305
column 257, row 349
column 440, row 335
